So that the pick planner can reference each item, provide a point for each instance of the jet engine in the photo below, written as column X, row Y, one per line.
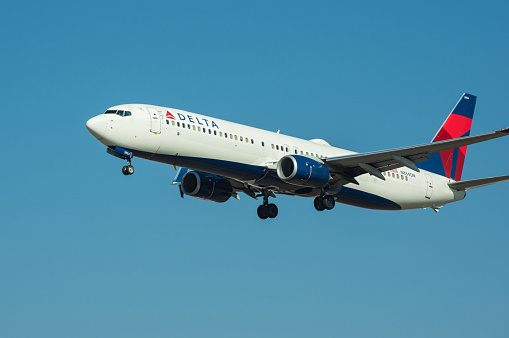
column 302, row 171
column 206, row 186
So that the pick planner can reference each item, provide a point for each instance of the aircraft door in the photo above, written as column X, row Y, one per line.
column 429, row 186
column 155, row 120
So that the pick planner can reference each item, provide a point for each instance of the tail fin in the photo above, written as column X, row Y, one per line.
column 449, row 163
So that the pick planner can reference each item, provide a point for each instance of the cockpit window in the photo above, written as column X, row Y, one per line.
column 118, row 112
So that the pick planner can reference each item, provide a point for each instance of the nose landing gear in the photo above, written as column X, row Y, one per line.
column 125, row 155
column 128, row 169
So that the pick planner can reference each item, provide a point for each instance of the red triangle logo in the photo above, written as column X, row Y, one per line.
column 169, row 115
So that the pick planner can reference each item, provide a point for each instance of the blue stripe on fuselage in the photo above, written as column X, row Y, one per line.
column 364, row 200
column 240, row 171
column 267, row 178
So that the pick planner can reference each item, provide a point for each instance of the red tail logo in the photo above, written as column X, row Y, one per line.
column 169, row 115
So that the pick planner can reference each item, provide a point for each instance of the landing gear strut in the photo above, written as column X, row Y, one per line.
column 125, row 155
column 267, row 210
column 324, row 202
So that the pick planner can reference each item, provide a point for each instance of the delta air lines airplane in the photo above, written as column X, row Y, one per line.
column 218, row 159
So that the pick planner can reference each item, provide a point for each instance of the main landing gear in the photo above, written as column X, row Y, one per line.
column 324, row 202
column 267, row 210
column 128, row 169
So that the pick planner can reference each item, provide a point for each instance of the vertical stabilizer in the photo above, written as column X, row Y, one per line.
column 449, row 163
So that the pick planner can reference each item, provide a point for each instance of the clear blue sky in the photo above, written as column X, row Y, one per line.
column 87, row 252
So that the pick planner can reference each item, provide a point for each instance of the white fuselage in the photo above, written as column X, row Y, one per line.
column 245, row 153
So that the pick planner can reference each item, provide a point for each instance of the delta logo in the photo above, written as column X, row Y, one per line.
column 192, row 119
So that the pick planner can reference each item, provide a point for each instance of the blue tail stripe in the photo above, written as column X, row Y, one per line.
column 465, row 106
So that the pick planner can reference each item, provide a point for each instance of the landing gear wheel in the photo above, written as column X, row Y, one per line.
column 328, row 202
column 271, row 210
column 319, row 204
column 267, row 210
column 128, row 170
column 262, row 212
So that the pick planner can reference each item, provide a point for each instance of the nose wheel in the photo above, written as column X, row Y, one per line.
column 128, row 170
column 267, row 210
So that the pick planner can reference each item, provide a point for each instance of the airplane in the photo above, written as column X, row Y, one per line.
column 218, row 159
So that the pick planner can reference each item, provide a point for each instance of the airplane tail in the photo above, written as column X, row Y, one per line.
column 449, row 163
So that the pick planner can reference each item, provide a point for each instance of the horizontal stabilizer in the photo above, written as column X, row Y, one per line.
column 481, row 182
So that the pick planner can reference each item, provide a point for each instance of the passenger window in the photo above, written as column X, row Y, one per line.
column 231, row 136
column 204, row 130
column 252, row 141
column 215, row 133
column 210, row 132
column 241, row 139
column 194, row 127
column 225, row 135
column 188, row 126
column 263, row 144
column 406, row 178
column 307, row 153
column 178, row 124
column 301, row 152
column 277, row 147
column 296, row 151
column 183, row 125
column 235, row 137
column 247, row 140
column 220, row 134
column 393, row 176
column 173, row 123
column 272, row 146
column 167, row 122
column 199, row 128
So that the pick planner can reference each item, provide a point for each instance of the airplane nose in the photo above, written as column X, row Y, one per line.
column 97, row 126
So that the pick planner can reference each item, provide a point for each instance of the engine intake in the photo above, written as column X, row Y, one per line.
column 206, row 186
column 302, row 171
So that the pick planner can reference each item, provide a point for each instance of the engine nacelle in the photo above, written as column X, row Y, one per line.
column 206, row 186
column 302, row 171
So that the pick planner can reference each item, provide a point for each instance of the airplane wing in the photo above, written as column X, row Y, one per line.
column 481, row 182
column 344, row 169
